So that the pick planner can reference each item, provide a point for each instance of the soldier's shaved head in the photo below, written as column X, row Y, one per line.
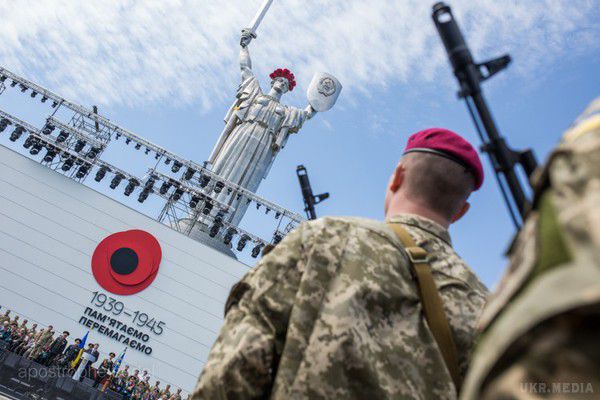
column 430, row 185
column 441, row 184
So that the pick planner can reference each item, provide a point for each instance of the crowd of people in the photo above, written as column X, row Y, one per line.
column 41, row 346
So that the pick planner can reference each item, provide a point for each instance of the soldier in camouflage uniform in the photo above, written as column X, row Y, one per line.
column 5, row 317
column 333, row 312
column 43, row 340
column 176, row 395
column 541, row 328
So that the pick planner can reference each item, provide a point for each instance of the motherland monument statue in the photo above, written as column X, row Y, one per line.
column 258, row 124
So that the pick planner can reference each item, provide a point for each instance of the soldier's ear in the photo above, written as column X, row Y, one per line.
column 397, row 178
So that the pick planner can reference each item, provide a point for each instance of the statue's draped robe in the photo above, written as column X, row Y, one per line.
column 253, row 124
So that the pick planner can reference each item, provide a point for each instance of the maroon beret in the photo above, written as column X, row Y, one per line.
column 450, row 145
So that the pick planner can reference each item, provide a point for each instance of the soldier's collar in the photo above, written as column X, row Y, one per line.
column 422, row 223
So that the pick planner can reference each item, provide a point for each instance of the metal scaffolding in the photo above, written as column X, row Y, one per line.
column 190, row 191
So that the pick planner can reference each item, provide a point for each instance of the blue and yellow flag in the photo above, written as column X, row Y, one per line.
column 81, row 348
column 119, row 361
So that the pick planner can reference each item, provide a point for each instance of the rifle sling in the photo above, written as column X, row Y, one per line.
column 432, row 302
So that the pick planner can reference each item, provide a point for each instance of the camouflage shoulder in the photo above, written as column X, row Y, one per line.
column 374, row 226
column 267, row 267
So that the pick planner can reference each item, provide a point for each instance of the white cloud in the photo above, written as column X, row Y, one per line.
column 181, row 52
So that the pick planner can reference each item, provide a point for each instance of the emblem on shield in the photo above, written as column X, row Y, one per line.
column 326, row 86
column 323, row 91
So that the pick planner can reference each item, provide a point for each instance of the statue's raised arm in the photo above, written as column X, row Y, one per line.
column 245, row 60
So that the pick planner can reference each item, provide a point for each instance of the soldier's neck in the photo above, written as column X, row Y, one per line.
column 404, row 206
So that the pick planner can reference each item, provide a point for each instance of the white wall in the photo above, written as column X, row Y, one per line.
column 49, row 228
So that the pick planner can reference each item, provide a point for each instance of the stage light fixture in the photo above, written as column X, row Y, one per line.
column 92, row 152
column 258, row 206
column 143, row 196
column 68, row 164
column 116, row 180
column 157, row 156
column 117, row 136
column 229, row 236
column 194, row 201
column 83, row 170
column 147, row 151
column 176, row 167
column 48, row 128
column 54, row 104
column 277, row 215
column 149, row 185
column 33, row 94
column 256, row 250
column 177, row 194
column 277, row 237
column 101, row 173
column 214, row 230
column 2, row 78
column 219, row 187
column 242, row 242
column 44, row 99
column 79, row 145
column 189, row 173
column 62, row 136
column 127, row 141
column 167, row 161
column 35, row 148
column 204, row 181
column 29, row 141
column 130, row 187
column 13, row 83
column 50, row 154
column 23, row 88
column 138, row 146
column 164, row 188
column 208, row 206
column 16, row 134
column 4, row 123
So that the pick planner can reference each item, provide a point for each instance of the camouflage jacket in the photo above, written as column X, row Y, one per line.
column 333, row 313
column 540, row 328
column 44, row 339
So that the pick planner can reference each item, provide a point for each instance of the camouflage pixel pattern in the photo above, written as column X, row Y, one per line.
column 42, row 341
column 541, row 327
column 4, row 318
column 333, row 313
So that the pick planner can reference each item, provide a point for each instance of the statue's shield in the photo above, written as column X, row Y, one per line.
column 323, row 91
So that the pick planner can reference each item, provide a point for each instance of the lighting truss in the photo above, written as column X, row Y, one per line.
column 59, row 125
column 90, row 130
column 188, row 189
column 115, row 130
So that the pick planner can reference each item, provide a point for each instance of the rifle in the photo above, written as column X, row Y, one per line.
column 470, row 75
column 310, row 200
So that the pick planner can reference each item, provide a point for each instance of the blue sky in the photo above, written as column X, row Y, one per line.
column 169, row 73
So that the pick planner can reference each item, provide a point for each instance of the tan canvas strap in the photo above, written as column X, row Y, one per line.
column 432, row 302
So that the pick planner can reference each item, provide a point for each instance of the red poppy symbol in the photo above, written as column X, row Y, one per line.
column 126, row 262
